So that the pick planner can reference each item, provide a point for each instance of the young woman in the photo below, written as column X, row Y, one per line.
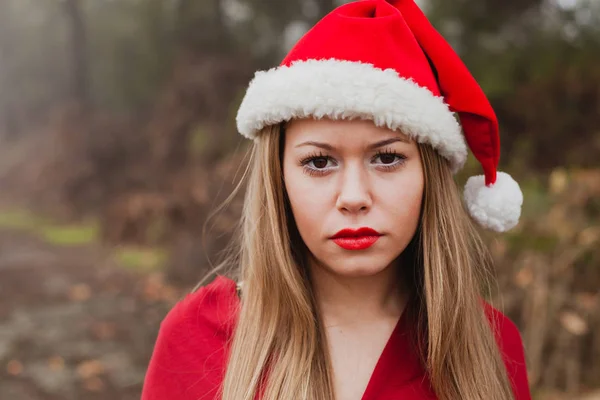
column 362, row 272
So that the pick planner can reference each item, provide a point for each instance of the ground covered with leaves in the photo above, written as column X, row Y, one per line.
column 73, row 323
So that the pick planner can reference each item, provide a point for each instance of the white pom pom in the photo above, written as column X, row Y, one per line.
column 497, row 207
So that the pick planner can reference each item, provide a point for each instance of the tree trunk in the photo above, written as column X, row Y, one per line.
column 6, row 117
column 219, row 19
column 202, row 25
column 80, row 73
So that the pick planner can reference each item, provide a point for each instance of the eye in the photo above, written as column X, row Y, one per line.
column 317, row 164
column 389, row 159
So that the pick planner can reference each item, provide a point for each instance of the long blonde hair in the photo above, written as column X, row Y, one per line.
column 279, row 334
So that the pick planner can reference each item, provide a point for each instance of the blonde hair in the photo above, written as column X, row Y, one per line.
column 279, row 333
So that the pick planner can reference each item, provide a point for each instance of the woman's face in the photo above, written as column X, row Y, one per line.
column 349, row 175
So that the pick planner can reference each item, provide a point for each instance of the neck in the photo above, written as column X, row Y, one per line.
column 349, row 300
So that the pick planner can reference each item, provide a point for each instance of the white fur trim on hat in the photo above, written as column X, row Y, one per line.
column 497, row 207
column 340, row 89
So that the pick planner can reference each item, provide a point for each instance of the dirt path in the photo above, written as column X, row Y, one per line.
column 72, row 324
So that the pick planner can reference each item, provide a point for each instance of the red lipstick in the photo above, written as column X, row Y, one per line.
column 356, row 239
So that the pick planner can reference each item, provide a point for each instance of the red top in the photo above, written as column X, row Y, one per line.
column 188, row 362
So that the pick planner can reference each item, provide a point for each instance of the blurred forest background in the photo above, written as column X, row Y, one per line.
column 118, row 139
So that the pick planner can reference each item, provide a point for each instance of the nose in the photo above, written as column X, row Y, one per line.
column 354, row 194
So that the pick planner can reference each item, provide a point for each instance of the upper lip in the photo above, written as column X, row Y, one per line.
column 356, row 233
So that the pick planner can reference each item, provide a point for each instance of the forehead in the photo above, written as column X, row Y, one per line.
column 339, row 132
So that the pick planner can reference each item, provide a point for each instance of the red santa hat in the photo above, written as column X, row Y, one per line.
column 383, row 61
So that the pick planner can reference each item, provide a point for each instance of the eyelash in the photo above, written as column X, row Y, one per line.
column 318, row 172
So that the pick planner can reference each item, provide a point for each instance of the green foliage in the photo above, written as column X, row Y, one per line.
column 18, row 220
column 52, row 232
column 71, row 235
column 519, row 242
column 536, row 201
column 140, row 259
column 199, row 140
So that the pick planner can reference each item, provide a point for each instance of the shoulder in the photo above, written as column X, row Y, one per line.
column 510, row 344
column 190, row 351
column 209, row 309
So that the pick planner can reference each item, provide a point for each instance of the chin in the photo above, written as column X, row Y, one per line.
column 357, row 272
column 356, row 266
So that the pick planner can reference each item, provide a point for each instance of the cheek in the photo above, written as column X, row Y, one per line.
column 304, row 199
column 401, row 203
column 308, row 203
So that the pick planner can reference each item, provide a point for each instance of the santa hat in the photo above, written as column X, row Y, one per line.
column 383, row 61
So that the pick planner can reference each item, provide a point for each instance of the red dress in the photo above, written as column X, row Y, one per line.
column 188, row 362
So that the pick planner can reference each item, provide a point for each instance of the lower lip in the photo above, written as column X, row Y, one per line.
column 356, row 243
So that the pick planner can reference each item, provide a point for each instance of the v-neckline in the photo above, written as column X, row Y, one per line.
column 383, row 361
column 398, row 346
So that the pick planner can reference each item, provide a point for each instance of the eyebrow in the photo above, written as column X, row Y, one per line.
column 370, row 147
